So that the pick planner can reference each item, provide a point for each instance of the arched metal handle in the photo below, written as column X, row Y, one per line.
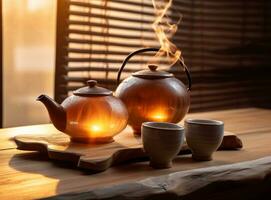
column 155, row 50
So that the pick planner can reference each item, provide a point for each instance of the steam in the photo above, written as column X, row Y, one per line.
column 164, row 31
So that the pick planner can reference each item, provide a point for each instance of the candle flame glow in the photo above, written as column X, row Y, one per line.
column 158, row 116
column 95, row 128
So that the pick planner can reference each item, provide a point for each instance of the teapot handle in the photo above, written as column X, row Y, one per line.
column 155, row 50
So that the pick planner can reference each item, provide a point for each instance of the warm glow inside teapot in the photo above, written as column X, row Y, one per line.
column 92, row 114
column 153, row 95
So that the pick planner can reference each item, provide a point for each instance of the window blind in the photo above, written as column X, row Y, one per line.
column 225, row 44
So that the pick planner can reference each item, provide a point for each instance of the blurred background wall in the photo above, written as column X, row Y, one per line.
column 29, row 54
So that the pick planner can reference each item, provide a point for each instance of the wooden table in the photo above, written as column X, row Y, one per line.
column 26, row 175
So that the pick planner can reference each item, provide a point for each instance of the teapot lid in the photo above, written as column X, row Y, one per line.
column 92, row 90
column 152, row 73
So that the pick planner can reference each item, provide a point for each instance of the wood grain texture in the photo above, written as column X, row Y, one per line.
column 205, row 183
column 29, row 175
column 99, row 157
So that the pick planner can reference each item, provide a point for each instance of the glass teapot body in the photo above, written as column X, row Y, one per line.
column 156, row 100
column 94, row 119
column 153, row 95
column 91, row 115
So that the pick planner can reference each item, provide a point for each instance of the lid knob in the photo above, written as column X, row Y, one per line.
column 152, row 67
column 91, row 83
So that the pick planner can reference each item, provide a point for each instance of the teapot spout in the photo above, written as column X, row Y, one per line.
column 56, row 112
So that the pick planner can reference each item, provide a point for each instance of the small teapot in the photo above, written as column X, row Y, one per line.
column 153, row 95
column 91, row 115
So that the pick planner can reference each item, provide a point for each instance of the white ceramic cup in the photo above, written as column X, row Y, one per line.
column 203, row 137
column 162, row 142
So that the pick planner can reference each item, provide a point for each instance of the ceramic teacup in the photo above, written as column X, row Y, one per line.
column 162, row 142
column 203, row 137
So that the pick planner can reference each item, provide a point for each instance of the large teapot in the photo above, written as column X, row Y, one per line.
column 92, row 114
column 153, row 95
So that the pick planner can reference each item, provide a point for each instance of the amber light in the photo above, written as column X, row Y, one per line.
column 96, row 128
column 158, row 116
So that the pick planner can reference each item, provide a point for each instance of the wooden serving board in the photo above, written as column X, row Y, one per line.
column 99, row 157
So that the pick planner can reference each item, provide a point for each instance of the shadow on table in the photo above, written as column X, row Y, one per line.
column 72, row 179
column 64, row 172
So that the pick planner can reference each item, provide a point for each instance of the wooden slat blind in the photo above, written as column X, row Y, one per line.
column 225, row 44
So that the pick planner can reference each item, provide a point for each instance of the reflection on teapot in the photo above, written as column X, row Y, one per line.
column 92, row 114
column 153, row 95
